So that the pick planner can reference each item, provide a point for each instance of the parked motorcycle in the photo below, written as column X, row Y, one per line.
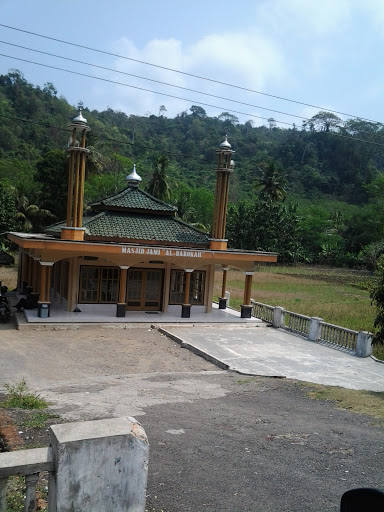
column 5, row 312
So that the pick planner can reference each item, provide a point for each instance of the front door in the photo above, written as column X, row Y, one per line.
column 144, row 289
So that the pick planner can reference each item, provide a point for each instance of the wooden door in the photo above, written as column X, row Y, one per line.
column 144, row 289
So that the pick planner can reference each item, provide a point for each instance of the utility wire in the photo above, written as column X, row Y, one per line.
column 153, row 80
column 103, row 138
column 139, row 88
column 177, row 155
column 185, row 73
column 172, row 96
column 165, row 83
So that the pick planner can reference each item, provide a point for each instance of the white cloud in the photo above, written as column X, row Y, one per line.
column 250, row 60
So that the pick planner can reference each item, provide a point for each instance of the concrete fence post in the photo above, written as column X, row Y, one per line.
column 364, row 344
column 278, row 316
column 99, row 465
column 314, row 329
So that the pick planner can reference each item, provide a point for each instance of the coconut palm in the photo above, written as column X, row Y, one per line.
column 158, row 186
column 272, row 183
column 29, row 216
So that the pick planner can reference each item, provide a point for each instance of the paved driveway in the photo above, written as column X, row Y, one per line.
column 265, row 351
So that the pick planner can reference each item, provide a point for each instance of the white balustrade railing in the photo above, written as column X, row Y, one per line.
column 297, row 323
column 315, row 329
column 340, row 336
column 263, row 311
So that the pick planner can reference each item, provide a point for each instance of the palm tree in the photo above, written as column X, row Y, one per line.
column 272, row 183
column 30, row 216
column 158, row 186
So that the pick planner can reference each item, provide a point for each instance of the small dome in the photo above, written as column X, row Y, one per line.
column 232, row 164
column 79, row 118
column 133, row 177
column 225, row 144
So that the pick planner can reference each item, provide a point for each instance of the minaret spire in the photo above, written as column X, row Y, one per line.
column 225, row 166
column 76, row 177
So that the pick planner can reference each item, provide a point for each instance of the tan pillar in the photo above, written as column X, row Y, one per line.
column 222, row 300
column 81, row 183
column 30, row 271
column 187, row 283
column 123, row 285
column 70, row 181
column 167, row 284
column 24, row 269
column 43, row 281
column 186, row 307
column 76, row 190
column 122, row 299
column 224, row 283
column 248, row 288
column 35, row 275
column 246, row 308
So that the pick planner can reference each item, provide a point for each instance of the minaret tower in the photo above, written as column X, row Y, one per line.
column 225, row 166
column 76, row 176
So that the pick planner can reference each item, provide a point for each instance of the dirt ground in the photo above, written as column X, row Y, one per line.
column 219, row 441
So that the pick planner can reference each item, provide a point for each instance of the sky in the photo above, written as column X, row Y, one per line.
column 328, row 54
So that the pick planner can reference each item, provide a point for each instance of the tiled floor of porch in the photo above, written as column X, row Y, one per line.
column 103, row 314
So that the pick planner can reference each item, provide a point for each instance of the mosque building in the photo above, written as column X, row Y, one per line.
column 131, row 252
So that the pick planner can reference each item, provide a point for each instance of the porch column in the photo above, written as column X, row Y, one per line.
column 186, row 307
column 122, row 300
column 30, row 271
column 20, row 269
column 35, row 275
column 24, row 271
column 44, row 304
column 246, row 308
column 222, row 299
column 73, row 280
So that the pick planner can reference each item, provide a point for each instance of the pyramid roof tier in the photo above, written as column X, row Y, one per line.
column 134, row 199
column 133, row 227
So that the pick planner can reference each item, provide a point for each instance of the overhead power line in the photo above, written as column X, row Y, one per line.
column 140, row 88
column 104, row 138
column 163, row 83
column 153, row 80
column 177, row 155
column 185, row 73
column 171, row 95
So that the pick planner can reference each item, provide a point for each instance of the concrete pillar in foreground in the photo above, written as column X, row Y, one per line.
column 364, row 344
column 99, row 466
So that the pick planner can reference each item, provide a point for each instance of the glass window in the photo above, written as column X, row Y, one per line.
column 98, row 284
column 89, row 284
column 196, row 288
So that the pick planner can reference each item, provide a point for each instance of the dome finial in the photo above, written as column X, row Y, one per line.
column 79, row 118
column 225, row 143
column 133, row 178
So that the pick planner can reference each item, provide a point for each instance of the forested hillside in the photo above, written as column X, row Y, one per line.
column 313, row 193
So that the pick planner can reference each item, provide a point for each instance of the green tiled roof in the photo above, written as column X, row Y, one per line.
column 134, row 226
column 132, row 198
